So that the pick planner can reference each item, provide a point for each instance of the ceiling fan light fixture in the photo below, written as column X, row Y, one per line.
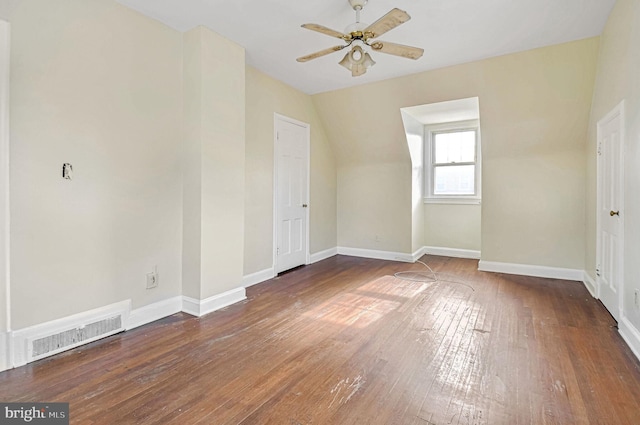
column 357, row 61
column 346, row 62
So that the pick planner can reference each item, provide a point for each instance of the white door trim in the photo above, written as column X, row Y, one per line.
column 278, row 117
column 5, row 46
column 618, row 110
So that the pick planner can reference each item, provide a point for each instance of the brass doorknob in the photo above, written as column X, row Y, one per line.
column 612, row 213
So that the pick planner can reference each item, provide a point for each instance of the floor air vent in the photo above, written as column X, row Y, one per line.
column 53, row 337
column 49, row 338
column 74, row 337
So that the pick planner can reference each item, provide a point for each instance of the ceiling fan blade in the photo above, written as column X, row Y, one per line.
column 388, row 22
column 320, row 53
column 408, row 52
column 327, row 31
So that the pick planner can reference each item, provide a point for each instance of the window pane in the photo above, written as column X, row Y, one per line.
column 459, row 146
column 454, row 180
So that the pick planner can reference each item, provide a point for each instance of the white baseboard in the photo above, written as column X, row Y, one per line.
column 630, row 334
column 4, row 351
column 258, row 277
column 15, row 347
column 152, row 312
column 266, row 274
column 199, row 308
column 451, row 252
column 409, row 258
column 22, row 337
column 590, row 284
column 379, row 255
column 529, row 270
column 323, row 255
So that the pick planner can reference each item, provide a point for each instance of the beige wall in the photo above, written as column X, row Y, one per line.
column 452, row 226
column 99, row 86
column 192, row 168
column 374, row 206
column 154, row 123
column 264, row 97
column 618, row 79
column 414, row 131
column 213, row 204
column 5, row 47
column 223, row 164
column 534, row 107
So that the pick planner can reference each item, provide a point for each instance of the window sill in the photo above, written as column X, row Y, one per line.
column 453, row 201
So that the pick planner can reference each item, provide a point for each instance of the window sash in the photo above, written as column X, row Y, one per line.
column 432, row 142
column 459, row 179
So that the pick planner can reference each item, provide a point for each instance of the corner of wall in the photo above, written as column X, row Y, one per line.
column 323, row 255
column 5, row 295
column 4, row 351
column 200, row 308
column 590, row 284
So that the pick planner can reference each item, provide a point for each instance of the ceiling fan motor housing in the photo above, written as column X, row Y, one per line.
column 356, row 27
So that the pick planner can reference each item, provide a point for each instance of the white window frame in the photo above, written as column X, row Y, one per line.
column 429, row 133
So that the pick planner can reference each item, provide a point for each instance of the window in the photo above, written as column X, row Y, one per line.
column 453, row 163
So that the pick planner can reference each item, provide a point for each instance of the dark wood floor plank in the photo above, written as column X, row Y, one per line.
column 344, row 342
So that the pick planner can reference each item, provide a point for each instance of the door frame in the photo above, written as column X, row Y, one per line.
column 617, row 111
column 6, row 350
column 276, row 119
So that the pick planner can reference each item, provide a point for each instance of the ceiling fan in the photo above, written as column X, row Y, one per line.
column 360, row 34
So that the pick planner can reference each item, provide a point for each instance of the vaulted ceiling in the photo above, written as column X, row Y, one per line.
column 450, row 31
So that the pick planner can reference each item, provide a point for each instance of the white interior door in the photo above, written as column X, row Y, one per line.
column 610, row 210
column 291, row 193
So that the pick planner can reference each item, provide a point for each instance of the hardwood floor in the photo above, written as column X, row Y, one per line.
column 345, row 342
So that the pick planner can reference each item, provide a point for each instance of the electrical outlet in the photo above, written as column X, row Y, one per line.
column 377, row 238
column 152, row 278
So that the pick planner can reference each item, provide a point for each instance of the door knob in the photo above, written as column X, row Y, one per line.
column 612, row 213
column 304, row 205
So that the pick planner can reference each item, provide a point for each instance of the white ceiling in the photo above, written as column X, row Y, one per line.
column 450, row 31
